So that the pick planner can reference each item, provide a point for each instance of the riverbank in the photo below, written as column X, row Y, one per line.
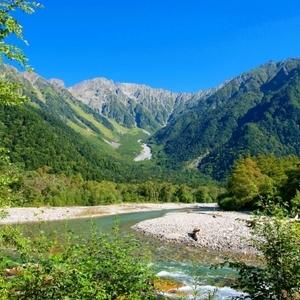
column 221, row 231
column 33, row 214
column 217, row 230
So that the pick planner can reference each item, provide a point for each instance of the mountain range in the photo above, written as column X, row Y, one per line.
column 134, row 105
column 256, row 113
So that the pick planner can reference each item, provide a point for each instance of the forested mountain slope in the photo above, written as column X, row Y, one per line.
column 53, row 99
column 106, row 113
column 59, row 132
column 257, row 112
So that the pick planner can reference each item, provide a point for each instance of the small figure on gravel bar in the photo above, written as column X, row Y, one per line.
column 194, row 234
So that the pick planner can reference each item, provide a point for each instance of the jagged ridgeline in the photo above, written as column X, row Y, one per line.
column 56, row 130
column 135, row 105
column 94, row 127
column 95, row 124
column 257, row 112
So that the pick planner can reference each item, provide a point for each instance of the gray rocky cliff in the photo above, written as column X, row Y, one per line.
column 139, row 101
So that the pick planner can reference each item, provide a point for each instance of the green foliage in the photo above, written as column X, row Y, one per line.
column 38, row 188
column 96, row 115
column 42, row 140
column 116, row 110
column 10, row 26
column 8, row 178
column 11, row 93
column 144, row 118
column 264, row 177
column 278, row 240
column 244, row 180
column 270, row 184
column 243, row 185
column 73, row 267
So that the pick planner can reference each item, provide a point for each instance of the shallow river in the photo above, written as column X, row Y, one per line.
column 181, row 263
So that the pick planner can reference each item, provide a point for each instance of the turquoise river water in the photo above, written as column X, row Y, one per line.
column 188, row 265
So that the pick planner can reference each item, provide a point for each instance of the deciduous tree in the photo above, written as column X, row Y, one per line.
column 10, row 93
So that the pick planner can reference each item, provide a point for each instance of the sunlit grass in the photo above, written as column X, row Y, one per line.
column 93, row 138
column 126, row 137
column 104, row 130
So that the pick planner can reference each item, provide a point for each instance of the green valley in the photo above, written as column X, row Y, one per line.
column 237, row 145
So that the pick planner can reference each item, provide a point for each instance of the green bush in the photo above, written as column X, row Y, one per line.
column 277, row 237
column 73, row 267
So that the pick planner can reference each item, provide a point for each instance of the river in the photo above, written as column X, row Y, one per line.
column 172, row 261
column 145, row 154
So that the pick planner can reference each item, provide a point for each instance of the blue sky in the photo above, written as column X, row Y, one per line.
column 182, row 46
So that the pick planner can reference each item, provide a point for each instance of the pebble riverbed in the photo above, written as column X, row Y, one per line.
column 221, row 231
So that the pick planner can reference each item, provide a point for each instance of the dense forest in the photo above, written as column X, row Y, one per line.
column 36, row 140
column 41, row 143
column 257, row 112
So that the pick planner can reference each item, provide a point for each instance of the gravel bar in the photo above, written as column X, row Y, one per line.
column 221, row 231
column 34, row 214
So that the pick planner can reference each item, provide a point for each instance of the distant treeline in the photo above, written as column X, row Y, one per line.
column 37, row 188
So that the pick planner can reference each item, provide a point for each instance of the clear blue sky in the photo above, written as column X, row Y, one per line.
column 182, row 46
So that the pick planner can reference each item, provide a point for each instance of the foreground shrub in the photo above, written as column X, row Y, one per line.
column 97, row 267
column 277, row 237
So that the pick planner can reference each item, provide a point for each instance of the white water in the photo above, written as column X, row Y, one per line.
column 195, row 290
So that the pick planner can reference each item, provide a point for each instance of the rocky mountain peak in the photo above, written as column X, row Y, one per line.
column 57, row 82
column 94, row 91
column 111, row 98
